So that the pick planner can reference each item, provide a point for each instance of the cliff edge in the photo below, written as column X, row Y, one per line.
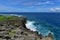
column 14, row 28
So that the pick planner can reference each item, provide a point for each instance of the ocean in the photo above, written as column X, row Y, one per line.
column 42, row 22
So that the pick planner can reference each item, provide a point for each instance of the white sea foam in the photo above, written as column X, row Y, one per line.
column 30, row 25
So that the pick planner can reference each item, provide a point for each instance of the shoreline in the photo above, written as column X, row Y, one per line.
column 15, row 26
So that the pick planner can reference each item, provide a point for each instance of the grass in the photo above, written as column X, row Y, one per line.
column 2, row 18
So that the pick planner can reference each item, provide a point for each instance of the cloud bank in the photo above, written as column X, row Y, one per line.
column 57, row 9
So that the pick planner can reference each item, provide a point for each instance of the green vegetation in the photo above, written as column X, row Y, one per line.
column 2, row 18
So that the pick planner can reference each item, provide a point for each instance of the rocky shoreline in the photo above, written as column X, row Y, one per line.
column 14, row 28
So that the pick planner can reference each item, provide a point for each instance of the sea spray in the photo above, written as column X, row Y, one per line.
column 30, row 25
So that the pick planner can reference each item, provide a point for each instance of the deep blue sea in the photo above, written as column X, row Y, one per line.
column 42, row 22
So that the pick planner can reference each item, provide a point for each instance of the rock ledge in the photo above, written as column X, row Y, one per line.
column 14, row 28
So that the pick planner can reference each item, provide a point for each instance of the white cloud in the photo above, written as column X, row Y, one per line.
column 55, row 9
column 37, row 3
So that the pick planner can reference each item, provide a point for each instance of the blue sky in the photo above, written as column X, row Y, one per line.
column 29, row 5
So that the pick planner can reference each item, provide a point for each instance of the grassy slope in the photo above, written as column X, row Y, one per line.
column 2, row 18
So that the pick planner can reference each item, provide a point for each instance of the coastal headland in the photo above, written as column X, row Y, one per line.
column 14, row 28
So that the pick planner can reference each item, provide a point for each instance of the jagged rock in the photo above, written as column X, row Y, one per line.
column 50, row 35
column 14, row 27
column 7, row 37
column 41, row 36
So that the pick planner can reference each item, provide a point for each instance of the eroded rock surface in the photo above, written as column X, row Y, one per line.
column 15, row 29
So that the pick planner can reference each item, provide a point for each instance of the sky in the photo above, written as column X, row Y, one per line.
column 29, row 5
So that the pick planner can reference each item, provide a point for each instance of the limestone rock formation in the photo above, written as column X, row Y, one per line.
column 14, row 28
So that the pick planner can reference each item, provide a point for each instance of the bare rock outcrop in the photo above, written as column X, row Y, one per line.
column 15, row 29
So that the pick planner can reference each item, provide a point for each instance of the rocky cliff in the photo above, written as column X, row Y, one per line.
column 14, row 28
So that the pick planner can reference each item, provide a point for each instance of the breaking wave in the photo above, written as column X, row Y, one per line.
column 30, row 25
column 39, row 28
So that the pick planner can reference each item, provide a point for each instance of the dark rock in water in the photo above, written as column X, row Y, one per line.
column 36, row 32
column 41, row 36
column 50, row 35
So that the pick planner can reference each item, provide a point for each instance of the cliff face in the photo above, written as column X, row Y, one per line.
column 15, row 29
